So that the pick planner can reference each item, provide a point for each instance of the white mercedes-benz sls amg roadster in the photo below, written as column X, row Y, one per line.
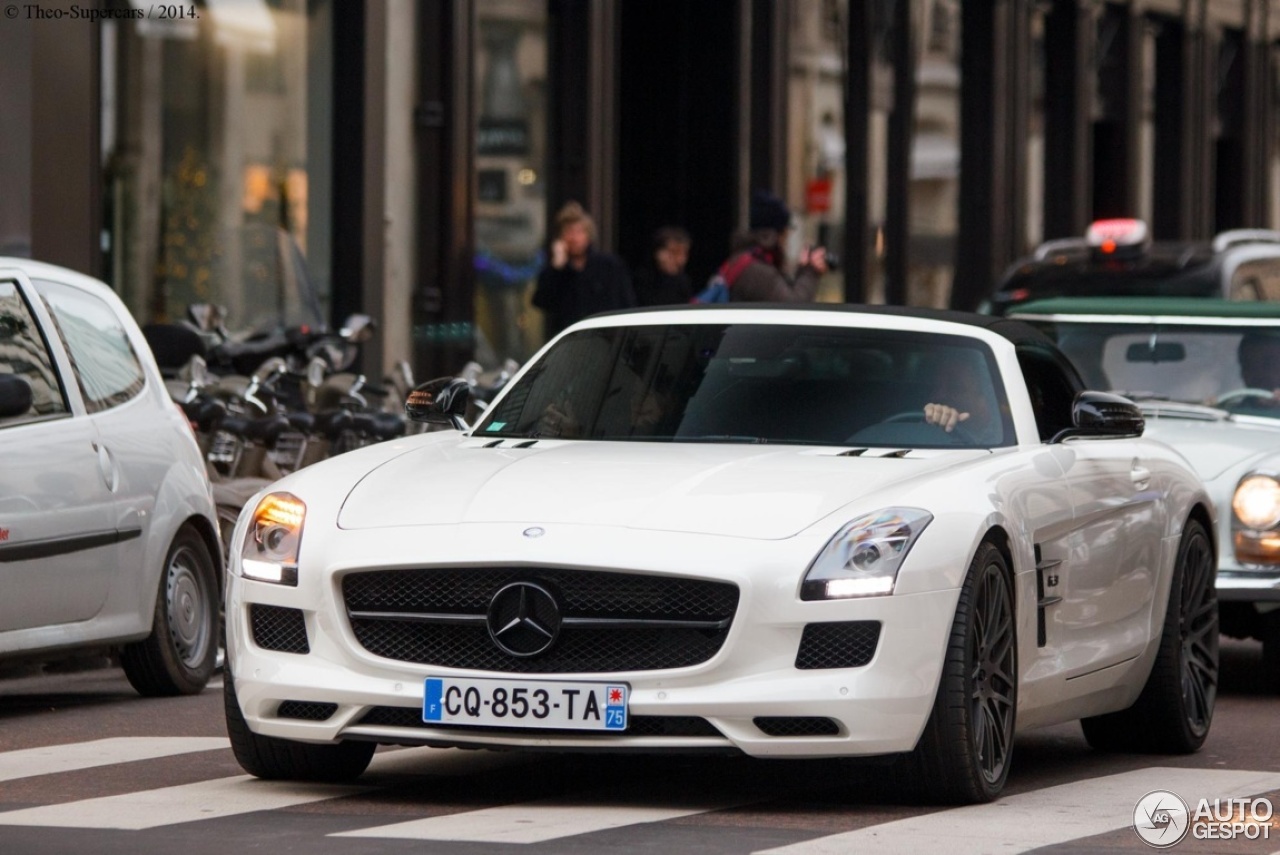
column 815, row 531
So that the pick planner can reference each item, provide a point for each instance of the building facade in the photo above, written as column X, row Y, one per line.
column 404, row 158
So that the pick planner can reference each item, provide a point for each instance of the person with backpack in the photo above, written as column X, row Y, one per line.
column 755, row 270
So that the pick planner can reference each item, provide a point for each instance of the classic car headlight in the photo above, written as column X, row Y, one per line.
column 270, row 552
column 1257, row 514
column 863, row 559
column 1257, row 502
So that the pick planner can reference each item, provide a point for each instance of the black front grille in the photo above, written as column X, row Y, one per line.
column 306, row 710
column 613, row 621
column 278, row 628
column 850, row 644
column 796, row 726
column 638, row 725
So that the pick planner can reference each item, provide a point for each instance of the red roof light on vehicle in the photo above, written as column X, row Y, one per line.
column 1118, row 239
column 1116, row 233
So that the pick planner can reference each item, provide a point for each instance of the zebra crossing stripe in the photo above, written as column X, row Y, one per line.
column 30, row 762
column 1046, row 817
column 532, row 822
column 214, row 799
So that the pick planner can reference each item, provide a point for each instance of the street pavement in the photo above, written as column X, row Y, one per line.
column 88, row 767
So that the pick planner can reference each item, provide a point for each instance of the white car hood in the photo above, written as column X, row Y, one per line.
column 1213, row 447
column 752, row 491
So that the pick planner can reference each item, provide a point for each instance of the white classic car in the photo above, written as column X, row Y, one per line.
column 733, row 529
column 108, row 534
column 1206, row 374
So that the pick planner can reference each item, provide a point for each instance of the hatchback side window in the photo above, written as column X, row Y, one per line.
column 106, row 367
column 1257, row 280
column 25, row 354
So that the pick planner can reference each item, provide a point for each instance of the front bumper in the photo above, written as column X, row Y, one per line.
column 878, row 708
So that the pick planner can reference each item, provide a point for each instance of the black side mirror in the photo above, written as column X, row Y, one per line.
column 1102, row 414
column 440, row 401
column 15, row 396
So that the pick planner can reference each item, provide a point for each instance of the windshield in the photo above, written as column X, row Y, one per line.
column 756, row 383
column 1229, row 366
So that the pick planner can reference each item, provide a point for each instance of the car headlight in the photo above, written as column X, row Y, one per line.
column 1257, row 502
column 864, row 557
column 270, row 551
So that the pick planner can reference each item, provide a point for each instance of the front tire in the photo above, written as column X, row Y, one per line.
column 1173, row 713
column 273, row 758
column 964, row 754
column 179, row 655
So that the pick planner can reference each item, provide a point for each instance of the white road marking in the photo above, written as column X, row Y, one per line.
column 214, row 799
column 29, row 762
column 532, row 822
column 1038, row 818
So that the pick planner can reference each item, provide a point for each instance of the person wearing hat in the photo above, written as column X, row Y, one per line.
column 755, row 269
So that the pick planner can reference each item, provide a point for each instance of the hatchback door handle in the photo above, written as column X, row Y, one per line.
column 107, row 467
column 1141, row 477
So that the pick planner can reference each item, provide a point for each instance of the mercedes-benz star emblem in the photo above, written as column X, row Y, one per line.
column 536, row 531
column 524, row 619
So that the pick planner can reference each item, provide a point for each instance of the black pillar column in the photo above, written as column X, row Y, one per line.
column 444, row 299
column 1169, row 189
column 1231, row 151
column 1199, row 57
column 857, row 113
column 994, row 98
column 1116, row 131
column 769, row 78
column 1068, row 106
column 901, row 138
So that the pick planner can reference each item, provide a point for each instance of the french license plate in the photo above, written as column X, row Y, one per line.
column 525, row 703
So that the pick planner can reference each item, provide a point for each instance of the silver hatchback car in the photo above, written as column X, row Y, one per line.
column 108, row 533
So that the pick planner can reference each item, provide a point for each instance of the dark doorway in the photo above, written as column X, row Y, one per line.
column 678, row 118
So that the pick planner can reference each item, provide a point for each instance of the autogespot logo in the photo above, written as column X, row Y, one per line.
column 1161, row 818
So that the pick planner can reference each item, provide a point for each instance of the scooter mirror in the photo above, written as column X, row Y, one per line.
column 315, row 372
column 358, row 328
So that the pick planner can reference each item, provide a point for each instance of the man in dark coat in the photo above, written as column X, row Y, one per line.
column 665, row 282
column 579, row 281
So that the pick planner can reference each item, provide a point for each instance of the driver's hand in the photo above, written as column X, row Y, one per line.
column 943, row 416
column 559, row 422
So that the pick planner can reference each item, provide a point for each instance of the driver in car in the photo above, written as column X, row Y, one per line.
column 1259, row 355
column 960, row 396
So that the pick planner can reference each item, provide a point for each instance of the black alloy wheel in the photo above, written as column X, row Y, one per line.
column 964, row 754
column 1198, row 632
column 1173, row 713
column 994, row 679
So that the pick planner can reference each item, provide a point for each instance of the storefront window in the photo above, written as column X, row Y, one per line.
column 510, row 210
column 216, row 142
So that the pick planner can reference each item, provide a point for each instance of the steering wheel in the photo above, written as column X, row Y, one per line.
column 1241, row 394
column 960, row 432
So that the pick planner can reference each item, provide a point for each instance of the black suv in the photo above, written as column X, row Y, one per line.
column 1117, row 258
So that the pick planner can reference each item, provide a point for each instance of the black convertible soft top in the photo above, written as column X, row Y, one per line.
column 1018, row 332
